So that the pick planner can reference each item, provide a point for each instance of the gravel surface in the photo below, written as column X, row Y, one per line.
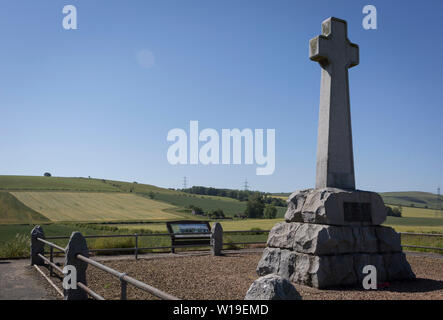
column 229, row 277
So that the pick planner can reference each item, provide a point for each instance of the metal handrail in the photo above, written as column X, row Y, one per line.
column 52, row 264
column 56, row 267
column 51, row 244
column 93, row 294
column 421, row 247
column 247, row 231
column 124, row 277
column 423, row 234
column 139, row 234
column 137, row 249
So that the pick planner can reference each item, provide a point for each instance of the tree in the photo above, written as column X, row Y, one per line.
column 47, row 174
column 270, row 212
column 217, row 214
column 196, row 210
column 151, row 195
column 397, row 211
column 255, row 206
column 393, row 212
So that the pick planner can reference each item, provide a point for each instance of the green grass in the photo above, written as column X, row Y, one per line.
column 13, row 211
column 17, row 247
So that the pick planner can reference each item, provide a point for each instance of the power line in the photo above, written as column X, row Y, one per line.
column 185, row 183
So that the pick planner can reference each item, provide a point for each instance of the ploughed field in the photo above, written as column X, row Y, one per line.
column 229, row 277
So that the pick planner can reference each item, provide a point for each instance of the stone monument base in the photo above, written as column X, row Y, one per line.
column 335, row 270
column 329, row 236
column 336, row 207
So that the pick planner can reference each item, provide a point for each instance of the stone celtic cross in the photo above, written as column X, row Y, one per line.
column 335, row 54
column 333, row 232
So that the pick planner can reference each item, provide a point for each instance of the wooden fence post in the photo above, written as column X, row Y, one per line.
column 77, row 245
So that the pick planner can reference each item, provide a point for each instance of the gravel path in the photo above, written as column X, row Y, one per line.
column 229, row 277
column 202, row 276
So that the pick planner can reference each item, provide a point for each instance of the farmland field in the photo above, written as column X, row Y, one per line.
column 417, row 220
column 94, row 206
column 229, row 206
column 13, row 211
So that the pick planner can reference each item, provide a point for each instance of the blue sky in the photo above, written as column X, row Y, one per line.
column 80, row 103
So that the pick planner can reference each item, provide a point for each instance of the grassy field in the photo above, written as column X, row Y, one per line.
column 92, row 206
column 13, row 211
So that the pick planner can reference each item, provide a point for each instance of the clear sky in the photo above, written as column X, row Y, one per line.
column 99, row 101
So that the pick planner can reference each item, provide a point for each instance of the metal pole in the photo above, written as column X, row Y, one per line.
column 51, row 258
column 136, row 246
column 123, row 285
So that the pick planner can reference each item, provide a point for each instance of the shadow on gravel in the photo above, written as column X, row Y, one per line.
column 5, row 262
column 417, row 285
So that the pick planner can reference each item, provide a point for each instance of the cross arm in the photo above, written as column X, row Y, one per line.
column 353, row 55
column 318, row 48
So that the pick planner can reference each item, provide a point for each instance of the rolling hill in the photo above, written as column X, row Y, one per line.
column 87, row 199
column 412, row 199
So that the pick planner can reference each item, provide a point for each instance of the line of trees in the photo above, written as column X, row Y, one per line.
column 214, row 214
column 241, row 195
column 258, row 208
